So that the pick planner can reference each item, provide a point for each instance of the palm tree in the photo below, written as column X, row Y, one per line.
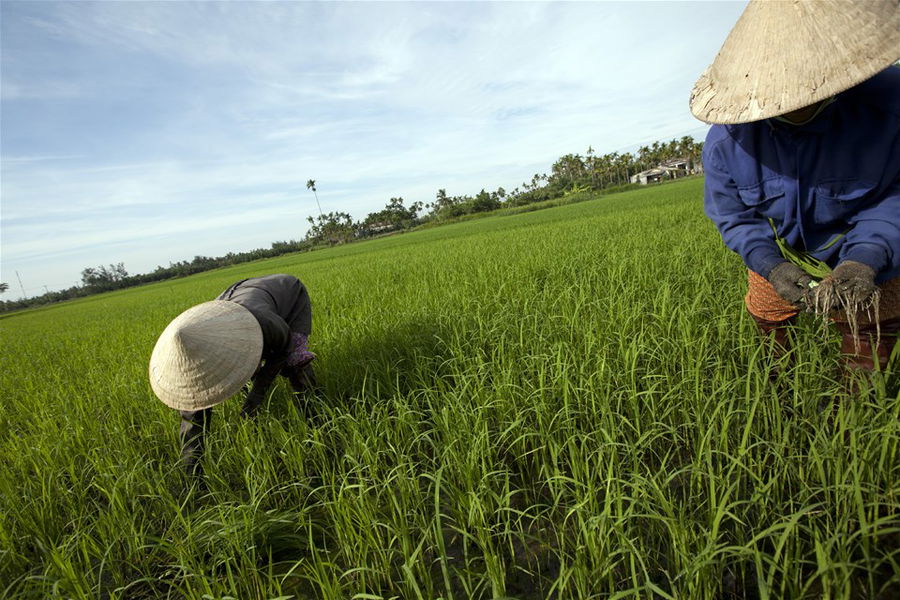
column 311, row 185
column 589, row 165
column 656, row 151
column 691, row 150
column 643, row 157
column 625, row 165
column 3, row 287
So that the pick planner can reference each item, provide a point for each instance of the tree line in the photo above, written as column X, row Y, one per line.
column 570, row 174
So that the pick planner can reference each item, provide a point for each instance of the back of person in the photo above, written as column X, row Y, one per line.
column 255, row 330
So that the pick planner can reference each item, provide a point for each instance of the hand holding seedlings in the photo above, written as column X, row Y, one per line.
column 791, row 282
column 851, row 284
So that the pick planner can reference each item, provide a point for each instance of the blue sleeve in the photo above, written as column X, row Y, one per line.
column 874, row 237
column 743, row 230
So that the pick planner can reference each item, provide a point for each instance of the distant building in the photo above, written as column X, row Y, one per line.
column 668, row 169
column 376, row 228
column 676, row 164
column 649, row 176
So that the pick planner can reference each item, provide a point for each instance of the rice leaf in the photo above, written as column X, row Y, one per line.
column 806, row 261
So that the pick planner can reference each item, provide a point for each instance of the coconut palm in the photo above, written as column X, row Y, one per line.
column 644, row 157
column 311, row 185
column 3, row 287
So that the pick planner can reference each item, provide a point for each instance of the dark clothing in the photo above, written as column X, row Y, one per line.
column 281, row 305
column 837, row 174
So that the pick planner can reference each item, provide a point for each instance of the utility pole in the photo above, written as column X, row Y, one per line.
column 24, row 295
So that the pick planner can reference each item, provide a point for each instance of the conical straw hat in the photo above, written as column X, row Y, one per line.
column 205, row 355
column 783, row 55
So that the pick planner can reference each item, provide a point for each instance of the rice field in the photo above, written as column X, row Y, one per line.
column 568, row 403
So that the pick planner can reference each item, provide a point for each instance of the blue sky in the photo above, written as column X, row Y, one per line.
column 150, row 132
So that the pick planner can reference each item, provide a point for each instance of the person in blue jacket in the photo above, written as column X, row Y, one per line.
column 804, row 98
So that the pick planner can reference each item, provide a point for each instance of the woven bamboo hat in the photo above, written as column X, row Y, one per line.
column 205, row 355
column 783, row 55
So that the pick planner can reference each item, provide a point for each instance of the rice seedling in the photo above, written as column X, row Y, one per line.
column 805, row 260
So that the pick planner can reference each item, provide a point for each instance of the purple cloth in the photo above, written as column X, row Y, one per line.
column 299, row 354
column 839, row 173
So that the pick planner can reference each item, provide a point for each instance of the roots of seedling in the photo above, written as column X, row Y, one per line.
column 829, row 298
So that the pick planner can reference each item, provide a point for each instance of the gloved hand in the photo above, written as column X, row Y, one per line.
column 851, row 284
column 253, row 401
column 791, row 282
column 301, row 376
column 262, row 381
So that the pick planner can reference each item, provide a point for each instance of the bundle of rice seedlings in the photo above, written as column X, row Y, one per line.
column 831, row 296
column 813, row 267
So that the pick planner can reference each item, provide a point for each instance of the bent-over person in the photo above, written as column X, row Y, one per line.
column 805, row 103
column 254, row 331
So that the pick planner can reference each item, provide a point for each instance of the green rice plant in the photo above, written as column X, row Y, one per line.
column 551, row 404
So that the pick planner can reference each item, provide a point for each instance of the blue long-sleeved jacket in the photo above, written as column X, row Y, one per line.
column 839, row 173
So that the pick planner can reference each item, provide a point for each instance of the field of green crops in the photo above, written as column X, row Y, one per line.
column 568, row 403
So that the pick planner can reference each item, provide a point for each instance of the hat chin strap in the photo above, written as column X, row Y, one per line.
column 818, row 111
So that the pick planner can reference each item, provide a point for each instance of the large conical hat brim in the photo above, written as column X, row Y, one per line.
column 205, row 355
column 783, row 55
